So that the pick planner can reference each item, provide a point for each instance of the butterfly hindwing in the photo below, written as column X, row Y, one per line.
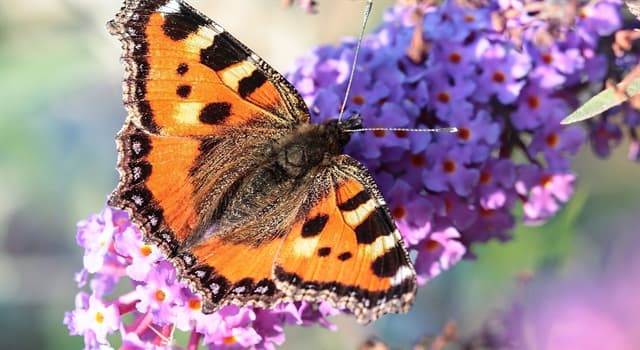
column 345, row 248
column 154, row 184
column 224, row 273
column 185, row 75
column 172, row 184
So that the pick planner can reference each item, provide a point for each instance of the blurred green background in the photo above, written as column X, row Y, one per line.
column 60, row 107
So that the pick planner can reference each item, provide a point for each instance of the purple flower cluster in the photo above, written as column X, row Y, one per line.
column 133, row 291
column 503, row 76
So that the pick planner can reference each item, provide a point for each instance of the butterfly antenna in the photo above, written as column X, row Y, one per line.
column 367, row 12
column 405, row 129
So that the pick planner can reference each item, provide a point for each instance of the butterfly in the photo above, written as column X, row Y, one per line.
column 221, row 169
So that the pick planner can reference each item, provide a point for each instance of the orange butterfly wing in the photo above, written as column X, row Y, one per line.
column 185, row 75
column 346, row 249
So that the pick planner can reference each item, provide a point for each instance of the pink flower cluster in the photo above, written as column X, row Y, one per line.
column 133, row 291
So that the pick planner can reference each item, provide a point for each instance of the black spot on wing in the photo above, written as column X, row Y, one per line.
column 215, row 113
column 183, row 91
column 182, row 69
column 345, row 256
column 388, row 264
column 314, row 226
column 324, row 251
column 356, row 201
column 223, row 52
column 375, row 225
column 251, row 83
column 181, row 24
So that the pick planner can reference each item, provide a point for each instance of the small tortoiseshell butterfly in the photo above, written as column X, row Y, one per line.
column 221, row 169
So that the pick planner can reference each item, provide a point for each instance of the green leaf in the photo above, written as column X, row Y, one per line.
column 601, row 102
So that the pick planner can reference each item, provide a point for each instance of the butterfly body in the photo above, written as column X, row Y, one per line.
column 221, row 169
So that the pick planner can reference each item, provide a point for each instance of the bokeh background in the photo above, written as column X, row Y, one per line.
column 60, row 107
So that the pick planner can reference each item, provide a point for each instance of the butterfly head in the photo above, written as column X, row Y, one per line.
column 314, row 145
column 351, row 123
column 343, row 128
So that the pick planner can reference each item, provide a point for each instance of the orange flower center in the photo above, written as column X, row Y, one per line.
column 455, row 57
column 160, row 295
column 418, row 160
column 533, row 102
column 602, row 131
column 583, row 13
column 401, row 133
column 399, row 212
column 229, row 340
column 547, row 58
column 552, row 140
column 469, row 18
column 485, row 177
column 145, row 250
column 431, row 245
column 99, row 317
column 379, row 133
column 449, row 166
column 448, row 204
column 546, row 180
column 195, row 304
column 358, row 99
column 486, row 212
column 464, row 134
column 499, row 77
column 444, row 97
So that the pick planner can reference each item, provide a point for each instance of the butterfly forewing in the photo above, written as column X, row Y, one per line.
column 185, row 75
